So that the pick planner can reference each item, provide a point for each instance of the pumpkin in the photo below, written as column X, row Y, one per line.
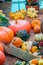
column 24, row 46
column 20, row 25
column 37, row 29
column 35, row 22
column 6, row 35
column 2, row 58
column 38, row 37
column 17, row 42
column 23, row 34
column 1, row 47
column 4, row 21
column 34, row 49
column 34, row 61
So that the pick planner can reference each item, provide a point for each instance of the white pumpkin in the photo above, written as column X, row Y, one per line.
column 38, row 37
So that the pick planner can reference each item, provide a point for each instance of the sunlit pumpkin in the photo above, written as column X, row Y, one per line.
column 20, row 25
column 2, row 58
column 6, row 34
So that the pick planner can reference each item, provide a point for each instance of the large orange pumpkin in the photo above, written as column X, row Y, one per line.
column 1, row 47
column 37, row 29
column 6, row 34
column 17, row 42
column 2, row 58
column 20, row 25
column 35, row 22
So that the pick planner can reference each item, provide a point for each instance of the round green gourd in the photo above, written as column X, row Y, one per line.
column 23, row 34
column 20, row 63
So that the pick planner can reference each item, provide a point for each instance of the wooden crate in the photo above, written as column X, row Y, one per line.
column 19, row 53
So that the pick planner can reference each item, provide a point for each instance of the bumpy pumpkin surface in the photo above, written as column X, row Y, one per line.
column 17, row 42
column 35, row 22
column 23, row 34
column 37, row 29
column 20, row 25
column 6, row 35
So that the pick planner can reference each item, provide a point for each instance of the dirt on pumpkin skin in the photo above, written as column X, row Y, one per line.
column 10, row 60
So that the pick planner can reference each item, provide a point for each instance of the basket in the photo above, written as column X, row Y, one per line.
column 6, row 7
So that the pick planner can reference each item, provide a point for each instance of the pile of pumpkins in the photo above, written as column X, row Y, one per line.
column 18, row 15
column 18, row 32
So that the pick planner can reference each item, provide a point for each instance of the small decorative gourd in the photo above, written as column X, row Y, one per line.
column 38, row 37
column 23, row 34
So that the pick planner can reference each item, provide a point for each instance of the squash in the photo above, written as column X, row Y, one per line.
column 6, row 35
column 4, row 21
column 40, row 62
column 20, row 63
column 38, row 37
column 24, row 46
column 23, row 34
column 41, row 44
column 35, row 23
column 37, row 29
column 36, row 44
column 17, row 42
column 34, row 49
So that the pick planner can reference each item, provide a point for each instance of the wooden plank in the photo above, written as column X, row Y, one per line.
column 17, row 52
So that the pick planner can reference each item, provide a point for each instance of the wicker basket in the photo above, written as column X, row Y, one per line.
column 6, row 7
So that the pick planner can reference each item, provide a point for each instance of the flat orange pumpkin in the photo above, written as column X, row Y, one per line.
column 35, row 22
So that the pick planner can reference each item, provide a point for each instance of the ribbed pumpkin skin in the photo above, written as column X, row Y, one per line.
column 20, row 25
column 6, row 34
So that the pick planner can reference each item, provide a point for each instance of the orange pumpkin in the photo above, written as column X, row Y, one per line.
column 37, row 29
column 6, row 34
column 17, row 42
column 34, row 61
column 35, row 22
column 2, row 58
column 34, row 49
column 1, row 47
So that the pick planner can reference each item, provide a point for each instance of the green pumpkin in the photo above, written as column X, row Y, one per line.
column 20, row 63
column 23, row 34
column 4, row 21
